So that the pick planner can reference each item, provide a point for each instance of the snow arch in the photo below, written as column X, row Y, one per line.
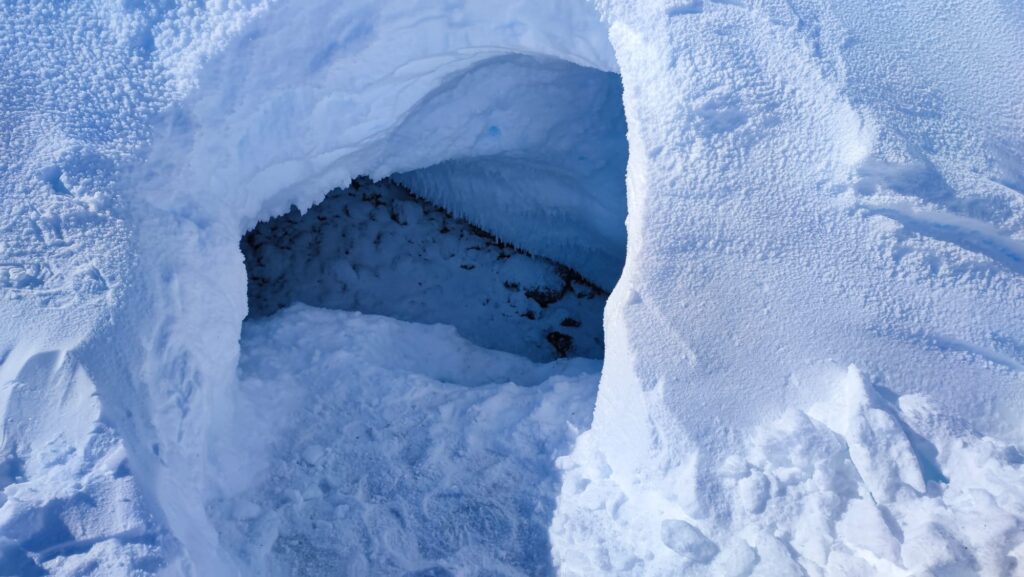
column 288, row 112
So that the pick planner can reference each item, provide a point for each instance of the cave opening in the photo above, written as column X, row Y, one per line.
column 376, row 248
column 507, row 222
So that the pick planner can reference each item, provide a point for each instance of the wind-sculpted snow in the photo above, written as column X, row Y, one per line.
column 811, row 185
column 836, row 187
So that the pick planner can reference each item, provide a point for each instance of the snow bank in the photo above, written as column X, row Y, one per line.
column 860, row 485
column 838, row 185
column 811, row 186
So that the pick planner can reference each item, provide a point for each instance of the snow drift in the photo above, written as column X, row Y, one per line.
column 814, row 353
column 830, row 192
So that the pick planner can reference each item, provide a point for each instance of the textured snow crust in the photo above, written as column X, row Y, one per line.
column 839, row 185
column 391, row 448
column 811, row 186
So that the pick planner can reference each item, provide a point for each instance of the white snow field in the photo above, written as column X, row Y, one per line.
column 813, row 354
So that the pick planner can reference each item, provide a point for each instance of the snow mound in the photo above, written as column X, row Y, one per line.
column 811, row 185
column 871, row 484
column 361, row 445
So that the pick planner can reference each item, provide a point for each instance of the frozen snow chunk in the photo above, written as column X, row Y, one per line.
column 878, row 445
column 776, row 558
column 1018, row 555
column 883, row 455
column 738, row 559
column 864, row 528
column 687, row 541
column 312, row 454
column 754, row 492
column 930, row 545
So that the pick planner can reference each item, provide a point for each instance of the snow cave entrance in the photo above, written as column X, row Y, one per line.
column 509, row 225
column 495, row 204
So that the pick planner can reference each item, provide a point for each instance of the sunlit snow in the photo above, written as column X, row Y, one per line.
column 785, row 236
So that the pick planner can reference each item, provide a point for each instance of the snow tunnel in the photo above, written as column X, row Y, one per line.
column 492, row 223
column 515, row 237
column 466, row 174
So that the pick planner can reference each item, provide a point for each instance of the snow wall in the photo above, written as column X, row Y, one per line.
column 817, row 336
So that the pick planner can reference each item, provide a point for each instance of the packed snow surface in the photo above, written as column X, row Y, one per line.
column 361, row 445
column 814, row 359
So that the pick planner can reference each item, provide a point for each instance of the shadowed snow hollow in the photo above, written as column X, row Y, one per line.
column 377, row 249
column 390, row 448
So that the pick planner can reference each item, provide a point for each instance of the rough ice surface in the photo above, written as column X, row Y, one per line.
column 814, row 353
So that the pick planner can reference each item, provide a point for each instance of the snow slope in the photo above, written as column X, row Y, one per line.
column 839, row 185
column 811, row 186
column 361, row 445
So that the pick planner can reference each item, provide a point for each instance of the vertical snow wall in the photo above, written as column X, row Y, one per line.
column 814, row 355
